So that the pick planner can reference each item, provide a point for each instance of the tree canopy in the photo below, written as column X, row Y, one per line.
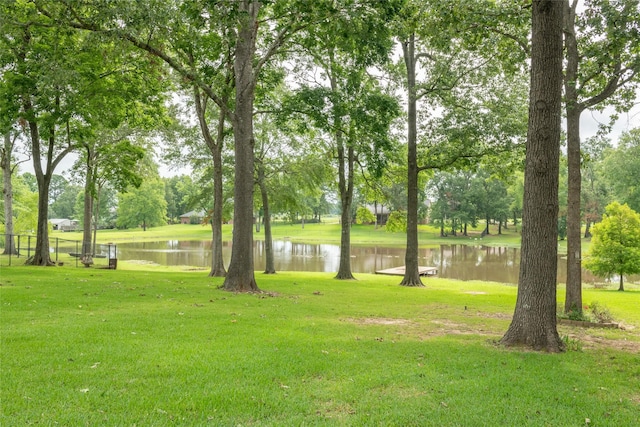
column 615, row 247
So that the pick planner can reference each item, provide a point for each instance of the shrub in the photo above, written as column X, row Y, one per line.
column 600, row 313
column 397, row 222
column 364, row 216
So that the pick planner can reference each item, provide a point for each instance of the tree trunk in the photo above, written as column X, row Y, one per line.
column 346, row 159
column 268, row 240
column 573, row 298
column 96, row 219
column 88, row 210
column 621, row 287
column 345, row 184
column 41, row 255
column 7, row 192
column 215, row 148
column 241, row 275
column 534, row 319
column 411, row 273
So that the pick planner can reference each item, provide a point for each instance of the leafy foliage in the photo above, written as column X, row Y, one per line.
column 364, row 216
column 615, row 248
column 397, row 222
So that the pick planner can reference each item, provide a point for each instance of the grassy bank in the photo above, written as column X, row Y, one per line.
column 326, row 232
column 103, row 347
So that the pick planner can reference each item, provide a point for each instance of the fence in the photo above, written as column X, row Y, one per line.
column 62, row 251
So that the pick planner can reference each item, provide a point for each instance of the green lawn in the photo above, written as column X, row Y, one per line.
column 326, row 232
column 154, row 348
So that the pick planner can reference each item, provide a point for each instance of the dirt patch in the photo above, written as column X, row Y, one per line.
column 379, row 321
column 475, row 293
column 431, row 328
column 594, row 342
column 448, row 327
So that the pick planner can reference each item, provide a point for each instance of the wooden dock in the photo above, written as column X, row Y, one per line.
column 399, row 271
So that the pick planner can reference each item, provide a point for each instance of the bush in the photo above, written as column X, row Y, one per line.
column 397, row 222
column 600, row 313
column 364, row 216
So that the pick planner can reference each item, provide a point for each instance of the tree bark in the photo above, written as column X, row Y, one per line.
column 534, row 319
column 88, row 209
column 96, row 218
column 241, row 275
column 345, row 184
column 215, row 148
column 7, row 192
column 346, row 158
column 411, row 273
column 621, row 287
column 41, row 254
column 268, row 239
column 573, row 298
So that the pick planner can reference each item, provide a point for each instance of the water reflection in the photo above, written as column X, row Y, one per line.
column 460, row 262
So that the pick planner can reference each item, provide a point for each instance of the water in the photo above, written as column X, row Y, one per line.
column 462, row 262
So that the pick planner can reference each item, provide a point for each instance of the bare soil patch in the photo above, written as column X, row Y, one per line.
column 441, row 327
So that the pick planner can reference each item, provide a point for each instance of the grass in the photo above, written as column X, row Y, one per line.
column 154, row 348
column 326, row 232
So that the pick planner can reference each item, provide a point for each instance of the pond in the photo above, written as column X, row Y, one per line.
column 462, row 262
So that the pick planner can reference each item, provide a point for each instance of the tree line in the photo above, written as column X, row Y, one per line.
column 361, row 91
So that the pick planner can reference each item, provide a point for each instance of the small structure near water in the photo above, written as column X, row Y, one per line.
column 399, row 271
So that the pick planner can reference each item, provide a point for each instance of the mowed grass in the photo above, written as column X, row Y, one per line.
column 325, row 232
column 154, row 348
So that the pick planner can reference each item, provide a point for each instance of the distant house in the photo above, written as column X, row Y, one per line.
column 63, row 224
column 381, row 213
column 192, row 217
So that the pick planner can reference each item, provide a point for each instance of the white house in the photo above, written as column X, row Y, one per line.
column 64, row 224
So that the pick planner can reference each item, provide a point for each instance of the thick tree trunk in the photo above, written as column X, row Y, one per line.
column 241, row 275
column 534, row 319
column 411, row 273
column 268, row 239
column 7, row 193
column 573, row 298
column 621, row 287
column 41, row 254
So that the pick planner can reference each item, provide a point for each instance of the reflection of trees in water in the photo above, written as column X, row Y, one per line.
column 462, row 262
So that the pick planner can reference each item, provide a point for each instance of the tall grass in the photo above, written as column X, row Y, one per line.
column 154, row 348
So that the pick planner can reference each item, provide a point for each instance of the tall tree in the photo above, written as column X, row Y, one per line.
column 594, row 190
column 446, row 55
column 8, row 167
column 349, row 106
column 48, row 83
column 143, row 206
column 110, row 159
column 602, row 50
column 534, row 319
